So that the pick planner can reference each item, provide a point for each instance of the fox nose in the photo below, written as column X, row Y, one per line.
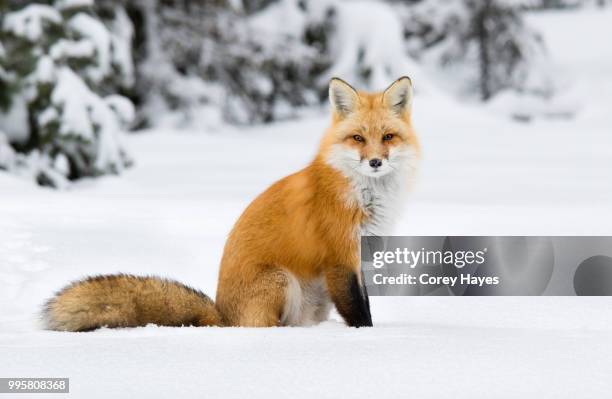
column 375, row 163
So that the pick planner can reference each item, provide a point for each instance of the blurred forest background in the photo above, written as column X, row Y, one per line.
column 75, row 75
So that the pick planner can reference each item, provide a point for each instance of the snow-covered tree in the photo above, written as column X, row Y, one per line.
column 66, row 61
column 489, row 37
column 369, row 57
column 557, row 3
column 5, row 87
column 221, row 54
column 560, row 4
column 259, row 60
column 243, row 61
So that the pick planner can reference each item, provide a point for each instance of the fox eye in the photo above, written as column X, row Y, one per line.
column 388, row 136
column 358, row 138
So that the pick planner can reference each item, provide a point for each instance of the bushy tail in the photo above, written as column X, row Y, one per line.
column 128, row 301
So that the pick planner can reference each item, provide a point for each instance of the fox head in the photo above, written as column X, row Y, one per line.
column 371, row 133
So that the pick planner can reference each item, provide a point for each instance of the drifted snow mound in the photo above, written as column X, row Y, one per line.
column 367, row 48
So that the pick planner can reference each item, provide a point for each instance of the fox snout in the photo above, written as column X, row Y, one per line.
column 373, row 155
column 375, row 166
column 375, row 163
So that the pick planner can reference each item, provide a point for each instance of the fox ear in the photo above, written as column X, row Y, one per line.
column 343, row 97
column 398, row 96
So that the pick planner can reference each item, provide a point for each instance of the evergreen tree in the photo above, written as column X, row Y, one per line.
column 489, row 35
column 5, row 87
column 67, row 61
column 250, row 59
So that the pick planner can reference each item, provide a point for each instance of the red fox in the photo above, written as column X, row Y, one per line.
column 296, row 248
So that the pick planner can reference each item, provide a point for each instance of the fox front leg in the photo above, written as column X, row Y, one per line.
column 350, row 298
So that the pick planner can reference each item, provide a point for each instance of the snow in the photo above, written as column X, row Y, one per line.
column 28, row 22
column 482, row 173
column 85, row 114
column 14, row 122
column 583, row 72
column 359, row 48
column 45, row 71
column 49, row 115
column 88, row 27
column 294, row 20
column 73, row 97
column 72, row 49
column 423, row 358
column 122, row 33
column 7, row 154
column 68, row 4
column 30, row 167
column 123, row 108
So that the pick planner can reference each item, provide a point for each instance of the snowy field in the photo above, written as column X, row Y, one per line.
column 483, row 173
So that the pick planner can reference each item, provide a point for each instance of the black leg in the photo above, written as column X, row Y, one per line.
column 350, row 298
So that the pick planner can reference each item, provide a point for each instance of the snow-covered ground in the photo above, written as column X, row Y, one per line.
column 482, row 174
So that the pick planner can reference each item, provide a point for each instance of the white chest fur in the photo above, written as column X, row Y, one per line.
column 381, row 199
